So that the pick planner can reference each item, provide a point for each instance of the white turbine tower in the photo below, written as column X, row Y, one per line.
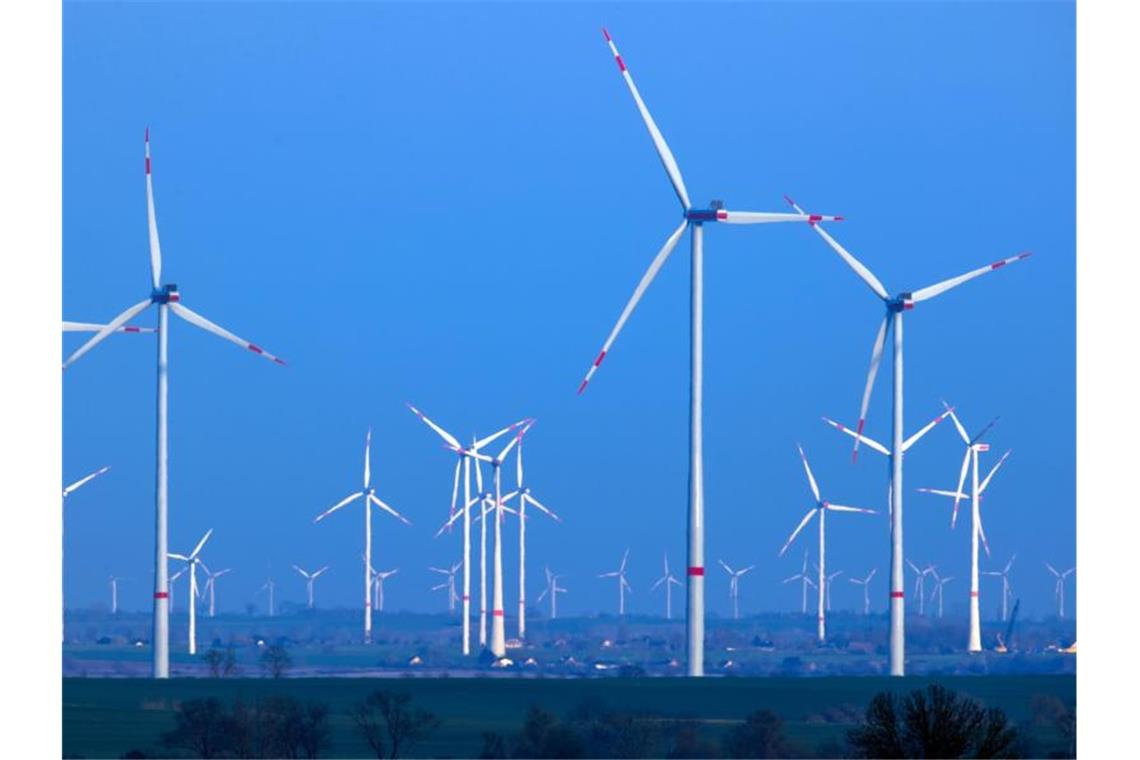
column 449, row 584
column 553, row 589
column 623, row 584
column 211, row 584
column 1059, row 587
column 669, row 580
column 114, row 582
column 271, row 587
column 192, row 561
column 525, row 497
column 866, row 584
column 821, row 508
column 166, row 298
column 895, row 306
column 939, row 583
column 378, row 578
column 693, row 219
column 974, row 447
column 465, row 455
column 733, row 586
column 1006, row 593
column 805, row 581
column 368, row 493
column 310, row 579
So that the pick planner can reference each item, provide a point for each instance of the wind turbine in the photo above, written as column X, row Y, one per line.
column 821, row 508
column 270, row 586
column 449, row 584
column 866, row 584
column 192, row 561
column 920, row 584
column 378, row 579
column 623, row 584
column 465, row 455
column 211, row 584
column 805, row 581
column 114, row 582
column 970, row 461
column 166, row 298
column 554, row 590
column 1006, row 593
column 368, row 493
column 733, row 586
column 310, row 579
column 827, row 587
column 693, row 220
column 895, row 306
column 1059, row 588
column 525, row 497
column 669, row 580
column 939, row 582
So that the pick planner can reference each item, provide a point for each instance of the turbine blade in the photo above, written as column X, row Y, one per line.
column 764, row 217
column 638, row 292
column 796, row 532
column 342, row 503
column 989, row 477
column 107, row 329
column 94, row 327
column 958, row 424
column 841, row 508
column 151, row 221
column 864, row 273
column 201, row 543
column 367, row 457
column 961, row 485
column 495, row 436
column 663, row 152
column 299, row 570
column 446, row 436
column 869, row 441
column 924, row 294
column 85, row 479
column 942, row 492
column 538, row 504
column 925, row 429
column 199, row 321
column 876, row 358
column 388, row 509
column 810, row 477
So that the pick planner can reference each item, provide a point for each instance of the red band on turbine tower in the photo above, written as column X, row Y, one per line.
column 497, row 613
column 696, row 571
column 974, row 594
column 161, row 595
column 896, row 595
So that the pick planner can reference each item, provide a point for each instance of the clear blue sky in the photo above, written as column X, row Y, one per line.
column 450, row 204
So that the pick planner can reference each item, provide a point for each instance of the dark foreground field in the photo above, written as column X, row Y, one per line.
column 109, row 717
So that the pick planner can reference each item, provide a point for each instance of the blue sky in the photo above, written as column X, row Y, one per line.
column 450, row 204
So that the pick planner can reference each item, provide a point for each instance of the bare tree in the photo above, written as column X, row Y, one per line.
column 275, row 660
column 390, row 724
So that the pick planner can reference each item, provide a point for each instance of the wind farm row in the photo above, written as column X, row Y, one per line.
column 481, row 502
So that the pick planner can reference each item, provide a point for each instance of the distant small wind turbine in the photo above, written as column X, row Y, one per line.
column 919, row 585
column 211, row 584
column 378, row 578
column 669, row 580
column 623, row 584
column 805, row 581
column 827, row 592
column 310, row 579
column 734, row 586
column 940, row 582
column 192, row 561
column 271, row 587
column 449, row 584
column 866, row 584
column 1006, row 592
column 114, row 582
column 1059, row 588
column 553, row 589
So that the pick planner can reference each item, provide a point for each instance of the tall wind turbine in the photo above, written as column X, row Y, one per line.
column 866, row 584
column 464, row 456
column 212, row 583
column 525, row 497
column 1006, row 592
column 368, row 493
column 939, row 583
column 166, row 298
column 271, row 587
column 734, row 586
column 623, row 584
column 974, row 447
column 553, row 589
column 669, row 580
column 693, row 219
column 1059, row 587
column 895, row 306
column 449, row 584
column 821, row 508
column 805, row 581
column 192, row 561
column 310, row 579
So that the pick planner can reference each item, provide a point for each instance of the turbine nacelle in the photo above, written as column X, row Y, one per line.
column 166, row 294
column 901, row 302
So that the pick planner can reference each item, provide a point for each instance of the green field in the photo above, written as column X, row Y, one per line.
column 107, row 717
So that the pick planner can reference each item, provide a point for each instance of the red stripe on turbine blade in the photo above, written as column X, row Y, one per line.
column 997, row 265
column 605, row 34
column 279, row 361
column 146, row 135
column 161, row 595
column 696, row 571
column 582, row 387
column 813, row 218
column 175, row 298
column 598, row 361
column 837, row 219
column 620, row 62
column 896, row 595
column 721, row 214
column 148, row 164
column 131, row 329
column 255, row 348
column 859, row 427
